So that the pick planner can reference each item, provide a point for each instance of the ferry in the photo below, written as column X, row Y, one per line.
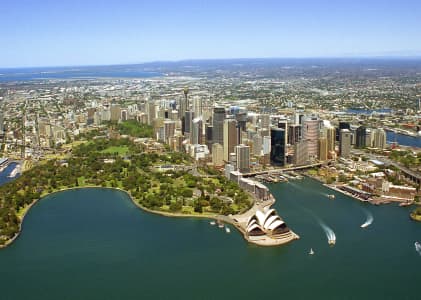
column 332, row 242
column 331, row 196
column 311, row 251
column 364, row 225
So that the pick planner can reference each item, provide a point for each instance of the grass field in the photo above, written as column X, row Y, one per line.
column 121, row 150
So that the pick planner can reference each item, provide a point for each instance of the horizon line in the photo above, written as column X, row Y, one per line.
column 391, row 57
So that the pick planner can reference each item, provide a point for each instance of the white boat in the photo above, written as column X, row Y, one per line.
column 364, row 225
column 212, row 223
column 332, row 242
column 311, row 251
column 227, row 230
column 331, row 196
column 221, row 225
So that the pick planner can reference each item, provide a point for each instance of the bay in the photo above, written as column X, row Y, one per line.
column 96, row 244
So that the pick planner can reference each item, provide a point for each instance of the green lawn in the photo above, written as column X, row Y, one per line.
column 121, row 150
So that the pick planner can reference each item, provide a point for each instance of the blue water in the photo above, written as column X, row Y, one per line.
column 95, row 244
column 402, row 139
column 28, row 74
column 4, row 175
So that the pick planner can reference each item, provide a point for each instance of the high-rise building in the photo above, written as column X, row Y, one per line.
column 342, row 125
column 323, row 149
column 243, row 158
column 278, row 146
column 294, row 133
column 379, row 138
column 169, row 129
column 196, row 131
column 230, row 137
column 189, row 116
column 217, row 155
column 151, row 111
column 311, row 128
column 265, row 121
column 360, row 137
column 241, row 118
column 300, row 153
column 266, row 144
column 198, row 106
column 1, row 123
column 331, row 137
column 115, row 112
column 345, row 143
column 257, row 144
column 218, row 125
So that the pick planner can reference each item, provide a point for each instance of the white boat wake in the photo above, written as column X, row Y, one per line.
column 418, row 247
column 330, row 234
column 369, row 219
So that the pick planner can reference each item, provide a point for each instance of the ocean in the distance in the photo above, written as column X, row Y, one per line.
column 30, row 74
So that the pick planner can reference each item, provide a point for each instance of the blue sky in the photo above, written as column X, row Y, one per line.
column 76, row 32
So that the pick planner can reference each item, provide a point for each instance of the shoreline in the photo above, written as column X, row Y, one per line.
column 220, row 218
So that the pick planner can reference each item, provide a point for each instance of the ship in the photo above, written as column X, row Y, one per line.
column 332, row 242
column 331, row 196
column 227, row 230
column 311, row 251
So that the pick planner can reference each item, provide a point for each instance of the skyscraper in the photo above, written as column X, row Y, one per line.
column 257, row 144
column 230, row 137
column 311, row 127
column 115, row 113
column 300, row 153
column 151, row 111
column 1, row 123
column 196, row 131
column 169, row 129
column 294, row 133
column 379, row 138
column 217, row 155
column 331, row 137
column 323, row 149
column 198, row 106
column 218, row 125
column 189, row 116
column 278, row 147
column 360, row 138
column 243, row 158
column 345, row 143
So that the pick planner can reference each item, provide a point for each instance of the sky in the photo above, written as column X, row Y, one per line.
column 97, row 32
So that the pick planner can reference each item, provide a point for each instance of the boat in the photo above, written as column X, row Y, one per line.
column 311, row 251
column 227, row 230
column 332, row 242
column 220, row 224
column 418, row 247
column 364, row 225
column 212, row 223
column 331, row 196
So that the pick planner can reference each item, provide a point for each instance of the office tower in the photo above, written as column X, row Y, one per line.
column 198, row 106
column 345, row 143
column 257, row 144
column 1, row 123
column 115, row 113
column 218, row 125
column 311, row 127
column 230, row 137
column 300, row 153
column 243, row 158
column 369, row 137
column 265, row 121
column 169, row 129
column 278, row 147
column 342, row 125
column 323, row 149
column 294, row 133
column 299, row 117
column 90, row 119
column 189, row 116
column 217, row 155
column 360, row 137
column 151, row 112
column 331, row 137
column 208, row 135
column 196, row 131
column 379, row 138
column 184, row 103
column 266, row 144
column 241, row 118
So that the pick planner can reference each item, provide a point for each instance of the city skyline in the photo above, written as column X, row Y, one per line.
column 77, row 33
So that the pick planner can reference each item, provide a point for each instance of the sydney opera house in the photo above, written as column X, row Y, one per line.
column 267, row 228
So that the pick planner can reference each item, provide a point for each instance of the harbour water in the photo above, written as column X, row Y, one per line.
column 4, row 175
column 404, row 140
column 95, row 244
